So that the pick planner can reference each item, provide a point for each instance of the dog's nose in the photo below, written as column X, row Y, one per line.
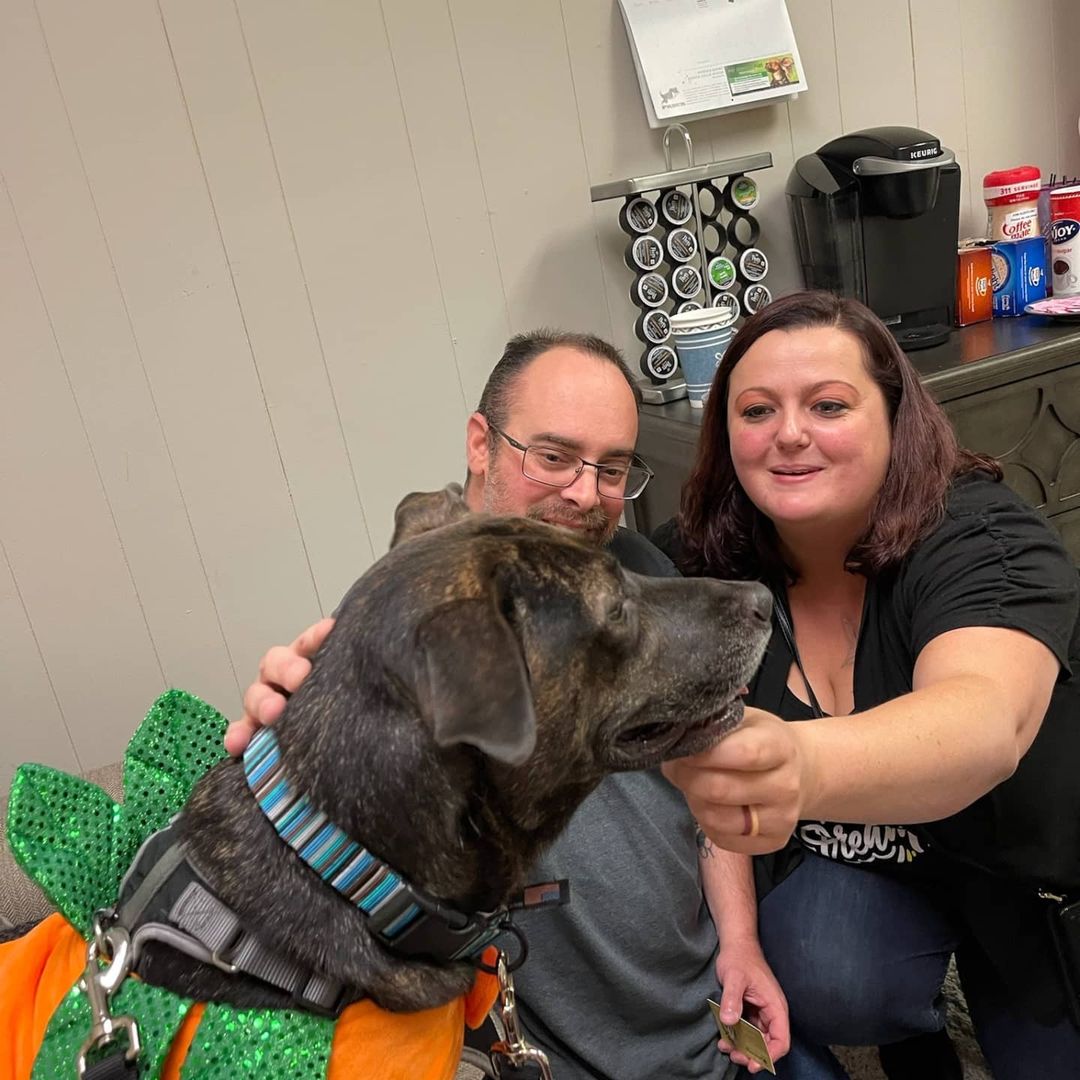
column 759, row 601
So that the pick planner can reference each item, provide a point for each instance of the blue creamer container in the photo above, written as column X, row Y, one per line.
column 1018, row 273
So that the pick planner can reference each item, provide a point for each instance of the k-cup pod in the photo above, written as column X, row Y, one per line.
column 676, row 207
column 742, row 194
column 689, row 305
column 721, row 272
column 659, row 362
column 649, row 291
column 700, row 338
column 653, row 327
column 727, row 301
column 755, row 297
column 644, row 253
column 638, row 215
column 753, row 265
column 686, row 282
column 681, row 245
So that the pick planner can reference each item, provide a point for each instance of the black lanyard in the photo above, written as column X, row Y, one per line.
column 783, row 620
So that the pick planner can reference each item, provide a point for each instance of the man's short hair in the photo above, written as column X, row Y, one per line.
column 522, row 349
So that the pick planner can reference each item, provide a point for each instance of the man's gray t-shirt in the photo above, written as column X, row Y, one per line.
column 616, row 982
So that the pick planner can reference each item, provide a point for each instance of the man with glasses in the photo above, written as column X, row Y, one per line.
column 553, row 439
column 616, row 982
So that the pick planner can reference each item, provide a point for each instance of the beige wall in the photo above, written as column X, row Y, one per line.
column 256, row 259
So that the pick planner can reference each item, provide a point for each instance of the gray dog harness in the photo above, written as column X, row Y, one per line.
column 165, row 898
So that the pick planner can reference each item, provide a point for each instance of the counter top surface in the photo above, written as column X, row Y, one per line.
column 973, row 357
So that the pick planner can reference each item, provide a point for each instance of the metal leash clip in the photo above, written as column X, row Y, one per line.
column 99, row 984
column 513, row 1047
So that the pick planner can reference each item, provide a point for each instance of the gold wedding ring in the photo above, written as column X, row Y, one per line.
column 751, row 824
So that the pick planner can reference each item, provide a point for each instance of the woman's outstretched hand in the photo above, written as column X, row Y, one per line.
column 759, row 780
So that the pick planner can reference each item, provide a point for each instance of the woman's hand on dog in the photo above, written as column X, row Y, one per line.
column 281, row 671
column 764, row 765
column 752, row 992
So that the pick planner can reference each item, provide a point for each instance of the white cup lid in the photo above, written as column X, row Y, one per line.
column 685, row 321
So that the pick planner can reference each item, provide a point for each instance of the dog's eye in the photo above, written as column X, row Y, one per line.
column 616, row 612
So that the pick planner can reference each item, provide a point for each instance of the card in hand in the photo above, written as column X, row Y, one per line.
column 746, row 1038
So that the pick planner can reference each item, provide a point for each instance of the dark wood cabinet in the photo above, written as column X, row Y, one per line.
column 1011, row 388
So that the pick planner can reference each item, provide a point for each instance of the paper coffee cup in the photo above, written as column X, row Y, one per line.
column 701, row 338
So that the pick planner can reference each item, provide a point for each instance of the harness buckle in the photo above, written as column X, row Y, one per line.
column 513, row 1047
column 99, row 984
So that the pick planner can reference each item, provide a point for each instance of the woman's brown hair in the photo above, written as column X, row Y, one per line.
column 723, row 534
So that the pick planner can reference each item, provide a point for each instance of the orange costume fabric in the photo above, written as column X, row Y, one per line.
column 38, row 969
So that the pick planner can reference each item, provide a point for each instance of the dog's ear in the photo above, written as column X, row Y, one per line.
column 472, row 681
column 425, row 510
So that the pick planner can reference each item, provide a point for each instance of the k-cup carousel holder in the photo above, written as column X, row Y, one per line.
column 688, row 230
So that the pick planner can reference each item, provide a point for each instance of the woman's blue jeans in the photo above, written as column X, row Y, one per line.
column 862, row 957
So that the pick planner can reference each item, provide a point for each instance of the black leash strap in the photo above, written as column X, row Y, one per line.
column 783, row 620
column 116, row 1066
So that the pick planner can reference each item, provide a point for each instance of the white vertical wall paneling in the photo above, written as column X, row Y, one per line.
column 1010, row 122
column 436, row 117
column 1064, row 35
column 219, row 91
column 327, row 86
column 618, row 142
column 816, row 115
column 874, row 63
column 75, row 273
column 34, row 728
column 59, row 533
column 128, row 116
column 247, row 283
column 748, row 133
column 521, row 98
column 937, row 34
column 972, row 208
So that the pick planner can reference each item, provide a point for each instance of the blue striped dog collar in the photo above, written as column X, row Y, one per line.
column 401, row 915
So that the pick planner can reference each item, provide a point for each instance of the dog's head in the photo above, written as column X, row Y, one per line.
column 484, row 675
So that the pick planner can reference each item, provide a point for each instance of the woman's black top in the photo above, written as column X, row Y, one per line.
column 992, row 561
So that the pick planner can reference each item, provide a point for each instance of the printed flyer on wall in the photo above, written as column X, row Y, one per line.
column 698, row 58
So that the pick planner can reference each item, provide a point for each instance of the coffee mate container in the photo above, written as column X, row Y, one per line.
column 974, row 284
column 1018, row 272
column 1012, row 203
column 1064, row 241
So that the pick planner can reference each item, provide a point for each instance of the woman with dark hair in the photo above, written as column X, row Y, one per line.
column 923, row 622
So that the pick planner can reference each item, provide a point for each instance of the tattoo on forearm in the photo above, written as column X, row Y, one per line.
column 704, row 844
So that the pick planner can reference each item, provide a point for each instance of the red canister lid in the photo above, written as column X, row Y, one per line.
column 1012, row 185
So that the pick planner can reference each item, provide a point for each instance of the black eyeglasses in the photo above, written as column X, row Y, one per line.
column 559, row 468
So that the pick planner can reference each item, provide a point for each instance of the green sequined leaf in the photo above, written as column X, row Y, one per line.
column 75, row 842
column 179, row 741
column 62, row 831
column 269, row 1044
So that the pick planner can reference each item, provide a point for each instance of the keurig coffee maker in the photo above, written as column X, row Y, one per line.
column 876, row 216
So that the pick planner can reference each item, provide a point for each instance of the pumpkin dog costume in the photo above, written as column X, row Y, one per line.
column 77, row 844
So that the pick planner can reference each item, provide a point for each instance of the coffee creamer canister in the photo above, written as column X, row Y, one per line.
column 1064, row 241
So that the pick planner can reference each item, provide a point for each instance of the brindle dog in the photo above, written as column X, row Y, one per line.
column 480, row 681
